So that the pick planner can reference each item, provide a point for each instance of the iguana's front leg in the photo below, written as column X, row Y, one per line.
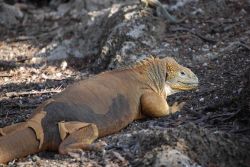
column 154, row 105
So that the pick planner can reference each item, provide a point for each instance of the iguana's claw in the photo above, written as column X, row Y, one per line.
column 79, row 153
column 176, row 107
column 100, row 146
column 76, row 154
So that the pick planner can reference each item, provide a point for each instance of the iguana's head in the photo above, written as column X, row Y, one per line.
column 179, row 78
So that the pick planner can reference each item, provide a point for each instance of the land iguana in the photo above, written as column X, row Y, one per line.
column 101, row 105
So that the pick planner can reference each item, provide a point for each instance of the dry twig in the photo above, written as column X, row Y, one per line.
column 196, row 34
column 20, row 38
column 234, row 45
column 16, row 94
column 5, row 75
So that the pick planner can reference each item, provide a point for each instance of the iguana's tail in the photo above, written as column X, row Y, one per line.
column 18, row 144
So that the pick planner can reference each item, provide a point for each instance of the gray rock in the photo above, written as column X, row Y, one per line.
column 169, row 157
column 206, row 57
column 187, row 145
column 9, row 15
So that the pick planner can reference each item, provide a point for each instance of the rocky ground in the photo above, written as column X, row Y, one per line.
column 46, row 46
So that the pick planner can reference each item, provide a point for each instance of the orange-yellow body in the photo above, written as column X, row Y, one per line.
column 96, row 107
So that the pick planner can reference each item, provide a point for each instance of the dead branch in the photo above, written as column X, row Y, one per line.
column 196, row 34
column 234, row 45
column 20, row 38
column 5, row 75
column 17, row 94
column 244, row 45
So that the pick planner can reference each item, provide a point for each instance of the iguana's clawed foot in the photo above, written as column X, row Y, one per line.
column 176, row 107
column 78, row 153
column 99, row 146
column 146, row 12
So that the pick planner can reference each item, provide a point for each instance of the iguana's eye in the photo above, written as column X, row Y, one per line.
column 182, row 73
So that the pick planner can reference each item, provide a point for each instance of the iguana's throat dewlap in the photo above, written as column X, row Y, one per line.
column 169, row 91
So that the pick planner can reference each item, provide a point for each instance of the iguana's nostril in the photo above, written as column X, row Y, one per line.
column 196, row 78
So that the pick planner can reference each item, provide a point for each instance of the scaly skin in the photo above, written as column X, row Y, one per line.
column 71, row 120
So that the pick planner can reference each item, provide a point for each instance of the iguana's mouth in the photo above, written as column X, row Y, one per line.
column 185, row 85
column 195, row 84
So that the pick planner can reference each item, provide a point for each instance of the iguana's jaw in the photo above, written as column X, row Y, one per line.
column 182, row 86
column 169, row 90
